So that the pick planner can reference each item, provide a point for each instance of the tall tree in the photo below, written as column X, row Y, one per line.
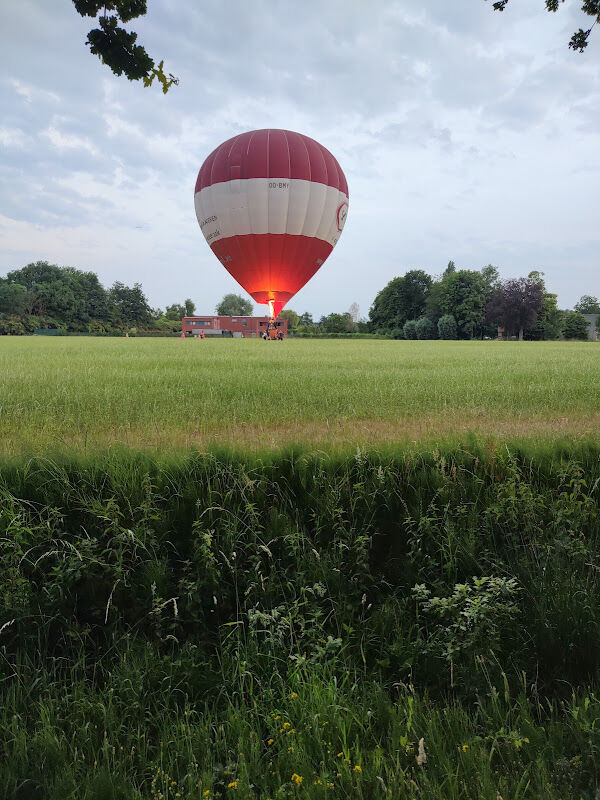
column 175, row 312
column 306, row 319
column 588, row 305
column 576, row 326
column 13, row 298
column 337, row 323
column 189, row 307
column 515, row 305
column 550, row 319
column 463, row 295
column 117, row 47
column 449, row 269
column 291, row 316
column 579, row 40
column 234, row 305
column 401, row 300
column 130, row 306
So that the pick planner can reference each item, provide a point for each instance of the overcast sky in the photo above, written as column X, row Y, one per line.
column 465, row 134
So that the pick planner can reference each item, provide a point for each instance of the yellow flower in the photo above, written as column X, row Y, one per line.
column 291, row 730
column 346, row 761
column 293, row 696
column 286, row 725
column 340, row 755
column 357, row 768
column 290, row 749
column 233, row 785
column 318, row 782
column 329, row 785
column 278, row 717
column 297, row 779
column 270, row 742
column 205, row 793
column 465, row 747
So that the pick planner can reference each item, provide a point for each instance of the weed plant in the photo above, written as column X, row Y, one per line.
column 374, row 626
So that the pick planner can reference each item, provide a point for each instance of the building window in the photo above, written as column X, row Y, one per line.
column 201, row 322
column 244, row 322
column 234, row 319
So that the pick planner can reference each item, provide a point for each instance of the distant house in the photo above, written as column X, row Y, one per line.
column 592, row 320
column 246, row 327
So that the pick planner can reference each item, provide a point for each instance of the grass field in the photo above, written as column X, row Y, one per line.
column 199, row 615
column 85, row 393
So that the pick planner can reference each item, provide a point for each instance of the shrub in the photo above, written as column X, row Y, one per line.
column 425, row 328
column 447, row 327
column 11, row 326
column 410, row 329
column 397, row 333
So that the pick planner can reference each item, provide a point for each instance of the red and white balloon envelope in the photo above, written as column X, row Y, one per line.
column 272, row 205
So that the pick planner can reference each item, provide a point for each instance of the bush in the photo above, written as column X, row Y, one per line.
column 397, row 333
column 447, row 327
column 576, row 326
column 425, row 328
column 11, row 326
column 410, row 329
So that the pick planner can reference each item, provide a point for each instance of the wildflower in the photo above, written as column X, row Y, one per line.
column 290, row 749
column 318, row 782
column 465, row 747
column 329, row 785
column 233, row 785
column 325, row 723
column 339, row 755
column 291, row 730
column 278, row 717
column 270, row 742
column 293, row 696
column 357, row 768
column 421, row 757
column 297, row 779
column 346, row 761
column 205, row 793
column 286, row 725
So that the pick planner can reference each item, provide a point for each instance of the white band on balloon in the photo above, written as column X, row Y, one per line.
column 271, row 205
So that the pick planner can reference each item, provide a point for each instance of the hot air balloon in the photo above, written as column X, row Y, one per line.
column 272, row 205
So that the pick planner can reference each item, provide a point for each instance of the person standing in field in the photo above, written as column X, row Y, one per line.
column 202, row 334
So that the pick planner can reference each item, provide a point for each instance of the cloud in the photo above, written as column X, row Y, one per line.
column 464, row 134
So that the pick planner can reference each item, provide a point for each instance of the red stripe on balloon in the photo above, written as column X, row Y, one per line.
column 271, row 153
column 250, row 260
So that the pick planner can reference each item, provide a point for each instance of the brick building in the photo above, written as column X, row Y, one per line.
column 246, row 327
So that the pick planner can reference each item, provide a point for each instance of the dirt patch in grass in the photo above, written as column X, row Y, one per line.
column 327, row 434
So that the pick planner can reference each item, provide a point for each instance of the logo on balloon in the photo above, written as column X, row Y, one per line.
column 342, row 213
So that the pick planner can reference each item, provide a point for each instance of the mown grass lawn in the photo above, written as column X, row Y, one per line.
column 85, row 393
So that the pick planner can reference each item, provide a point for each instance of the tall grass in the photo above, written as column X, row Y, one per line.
column 411, row 625
column 85, row 393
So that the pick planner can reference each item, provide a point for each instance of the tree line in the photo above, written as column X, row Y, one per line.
column 459, row 304
column 462, row 304
column 45, row 296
